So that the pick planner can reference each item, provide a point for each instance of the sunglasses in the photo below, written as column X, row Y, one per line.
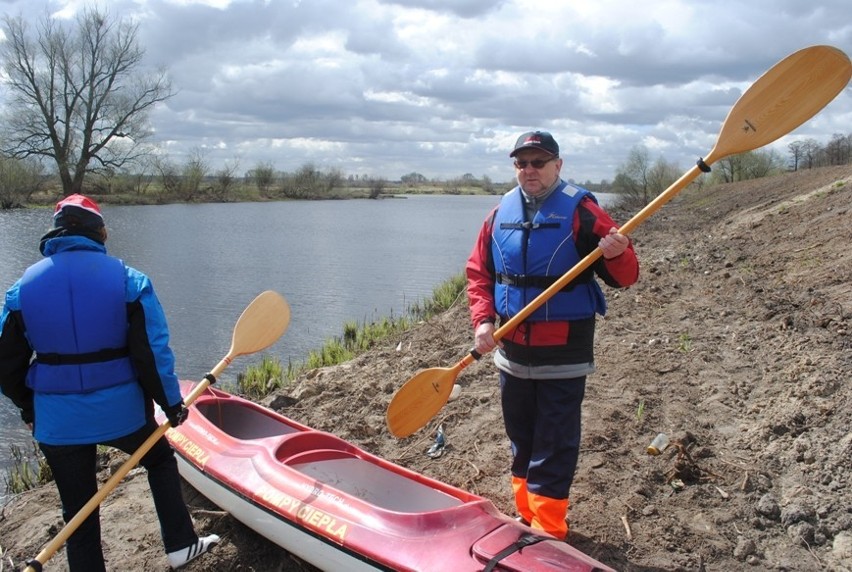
column 535, row 163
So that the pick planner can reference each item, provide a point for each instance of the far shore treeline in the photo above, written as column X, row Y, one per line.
column 27, row 182
column 55, row 142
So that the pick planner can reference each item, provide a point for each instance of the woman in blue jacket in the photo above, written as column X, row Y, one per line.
column 84, row 354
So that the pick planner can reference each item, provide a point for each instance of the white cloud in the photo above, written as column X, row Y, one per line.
column 443, row 87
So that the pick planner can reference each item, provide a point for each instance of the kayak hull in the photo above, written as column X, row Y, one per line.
column 339, row 507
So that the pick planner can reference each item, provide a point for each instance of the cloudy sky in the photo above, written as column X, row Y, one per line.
column 444, row 87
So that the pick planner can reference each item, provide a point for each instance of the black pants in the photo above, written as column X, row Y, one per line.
column 75, row 471
column 542, row 419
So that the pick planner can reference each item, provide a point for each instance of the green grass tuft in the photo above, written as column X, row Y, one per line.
column 357, row 338
column 261, row 380
column 28, row 471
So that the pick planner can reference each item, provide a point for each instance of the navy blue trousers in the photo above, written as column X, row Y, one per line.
column 75, row 472
column 542, row 419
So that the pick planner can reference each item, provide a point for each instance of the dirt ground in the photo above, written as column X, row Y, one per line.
column 735, row 342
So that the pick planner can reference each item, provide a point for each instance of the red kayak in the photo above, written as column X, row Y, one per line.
column 340, row 508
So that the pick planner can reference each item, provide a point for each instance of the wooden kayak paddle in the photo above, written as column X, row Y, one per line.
column 784, row 97
column 262, row 322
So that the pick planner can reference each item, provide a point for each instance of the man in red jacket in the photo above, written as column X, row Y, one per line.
column 538, row 232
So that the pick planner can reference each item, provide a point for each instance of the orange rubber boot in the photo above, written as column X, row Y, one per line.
column 549, row 515
column 522, row 503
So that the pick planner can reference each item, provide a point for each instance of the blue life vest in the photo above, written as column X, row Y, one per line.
column 75, row 315
column 529, row 256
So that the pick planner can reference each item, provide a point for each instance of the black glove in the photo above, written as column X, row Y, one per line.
column 176, row 413
column 28, row 415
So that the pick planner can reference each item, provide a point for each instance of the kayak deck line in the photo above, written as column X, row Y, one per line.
column 337, row 506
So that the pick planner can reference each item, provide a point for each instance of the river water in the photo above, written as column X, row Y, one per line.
column 333, row 261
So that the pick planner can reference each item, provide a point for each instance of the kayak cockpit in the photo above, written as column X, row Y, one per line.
column 241, row 422
column 326, row 459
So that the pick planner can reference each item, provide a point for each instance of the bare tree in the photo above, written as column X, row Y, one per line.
column 225, row 178
column 377, row 186
column 662, row 175
column 838, row 150
column 728, row 168
column 810, row 152
column 78, row 94
column 763, row 163
column 631, row 180
column 797, row 151
column 263, row 175
column 749, row 165
column 193, row 174
column 331, row 179
column 638, row 180
column 19, row 180
column 169, row 176
column 413, row 179
column 488, row 185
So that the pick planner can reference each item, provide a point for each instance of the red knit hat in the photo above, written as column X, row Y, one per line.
column 77, row 210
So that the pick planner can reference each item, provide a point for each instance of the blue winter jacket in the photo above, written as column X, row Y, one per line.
column 100, row 341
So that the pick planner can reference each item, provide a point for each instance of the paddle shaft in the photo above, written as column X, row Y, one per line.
column 783, row 98
column 72, row 525
column 261, row 323
column 590, row 258
column 423, row 395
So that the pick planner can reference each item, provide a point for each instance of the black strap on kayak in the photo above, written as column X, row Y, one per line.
column 107, row 354
column 525, row 539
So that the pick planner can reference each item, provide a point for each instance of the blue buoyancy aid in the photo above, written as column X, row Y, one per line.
column 529, row 256
column 75, row 315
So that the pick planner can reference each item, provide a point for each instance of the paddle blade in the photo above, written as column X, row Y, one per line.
column 261, row 324
column 783, row 98
column 420, row 399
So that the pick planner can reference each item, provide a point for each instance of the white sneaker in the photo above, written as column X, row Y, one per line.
column 186, row 555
